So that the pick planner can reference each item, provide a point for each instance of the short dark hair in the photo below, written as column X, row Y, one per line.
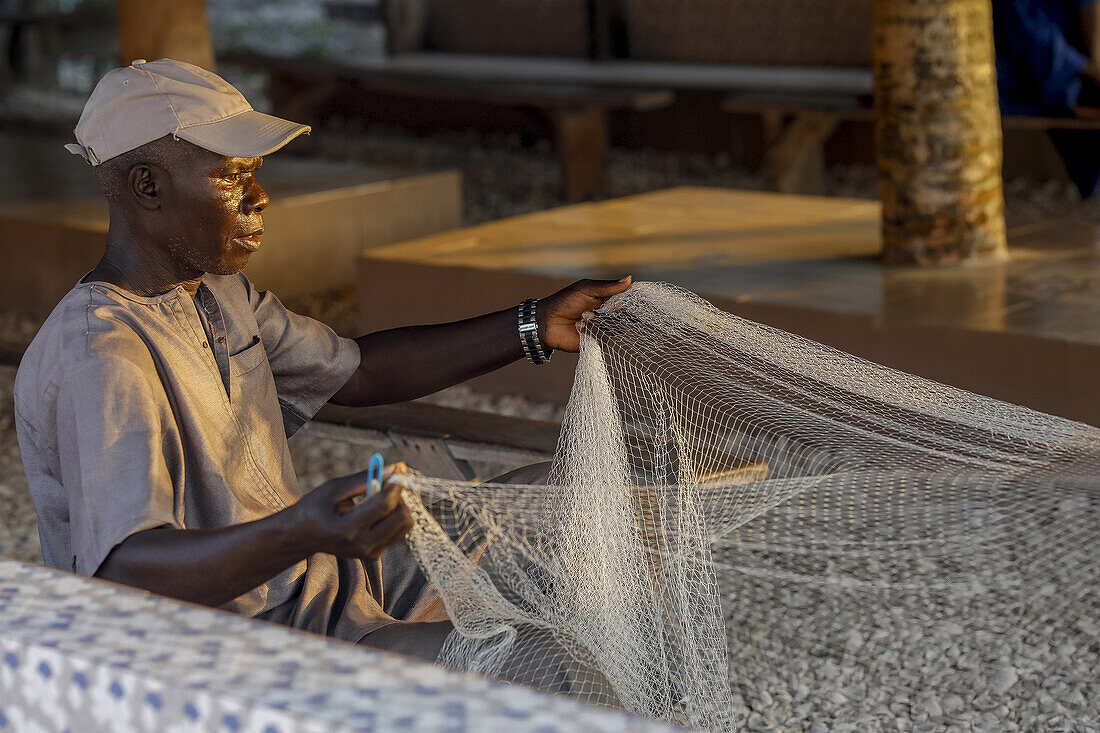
column 166, row 152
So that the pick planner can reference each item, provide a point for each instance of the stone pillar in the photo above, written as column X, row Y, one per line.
column 154, row 29
column 938, row 131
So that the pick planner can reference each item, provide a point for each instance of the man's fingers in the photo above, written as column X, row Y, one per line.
column 346, row 488
column 585, row 295
column 391, row 529
column 395, row 526
column 394, row 469
column 376, row 508
column 604, row 289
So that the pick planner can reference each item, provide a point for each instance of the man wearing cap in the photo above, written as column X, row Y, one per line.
column 154, row 405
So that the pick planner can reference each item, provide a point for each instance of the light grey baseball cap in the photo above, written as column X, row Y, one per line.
column 140, row 103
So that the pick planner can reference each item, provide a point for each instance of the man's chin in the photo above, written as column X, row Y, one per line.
column 228, row 268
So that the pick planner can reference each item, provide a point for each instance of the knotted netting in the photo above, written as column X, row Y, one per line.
column 744, row 527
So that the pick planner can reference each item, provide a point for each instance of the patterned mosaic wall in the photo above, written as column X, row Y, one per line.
column 86, row 656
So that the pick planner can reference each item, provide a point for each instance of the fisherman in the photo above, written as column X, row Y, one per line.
column 153, row 407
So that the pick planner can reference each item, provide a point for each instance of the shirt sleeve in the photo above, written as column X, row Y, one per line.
column 111, row 446
column 309, row 361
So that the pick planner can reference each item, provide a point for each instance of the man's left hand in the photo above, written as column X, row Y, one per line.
column 559, row 313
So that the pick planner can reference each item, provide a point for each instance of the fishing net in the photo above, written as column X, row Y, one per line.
column 744, row 527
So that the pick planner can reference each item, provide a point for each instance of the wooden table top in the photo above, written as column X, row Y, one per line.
column 673, row 229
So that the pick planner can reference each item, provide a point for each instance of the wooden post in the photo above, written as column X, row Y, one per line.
column 406, row 25
column 154, row 29
column 795, row 157
column 938, row 131
column 580, row 140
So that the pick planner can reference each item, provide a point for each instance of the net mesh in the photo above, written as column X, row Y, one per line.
column 744, row 527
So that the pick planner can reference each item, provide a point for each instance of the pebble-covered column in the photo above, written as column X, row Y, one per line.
column 938, row 131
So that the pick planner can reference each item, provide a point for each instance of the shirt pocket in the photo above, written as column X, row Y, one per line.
column 247, row 360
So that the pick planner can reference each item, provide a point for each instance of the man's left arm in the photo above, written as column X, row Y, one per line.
column 405, row 363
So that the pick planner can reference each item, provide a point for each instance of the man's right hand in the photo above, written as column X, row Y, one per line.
column 328, row 520
column 214, row 566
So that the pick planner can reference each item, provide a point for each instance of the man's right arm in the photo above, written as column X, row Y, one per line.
column 214, row 566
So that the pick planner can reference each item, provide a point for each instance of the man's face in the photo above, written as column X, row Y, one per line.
column 213, row 207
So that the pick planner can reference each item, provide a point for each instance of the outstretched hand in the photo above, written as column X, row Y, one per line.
column 559, row 314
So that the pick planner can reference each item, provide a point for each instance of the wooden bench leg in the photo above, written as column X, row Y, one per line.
column 795, row 160
column 580, row 139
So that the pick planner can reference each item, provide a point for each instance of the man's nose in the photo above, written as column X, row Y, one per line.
column 255, row 199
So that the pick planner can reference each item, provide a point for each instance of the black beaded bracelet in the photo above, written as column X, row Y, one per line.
column 529, row 334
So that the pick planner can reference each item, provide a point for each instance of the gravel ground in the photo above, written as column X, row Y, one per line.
column 18, row 528
column 819, row 655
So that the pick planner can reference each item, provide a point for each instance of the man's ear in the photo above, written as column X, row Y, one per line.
column 145, row 185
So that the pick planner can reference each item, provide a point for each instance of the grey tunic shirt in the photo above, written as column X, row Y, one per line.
column 134, row 413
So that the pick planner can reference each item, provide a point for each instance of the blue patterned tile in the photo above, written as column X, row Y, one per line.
column 364, row 720
column 146, row 656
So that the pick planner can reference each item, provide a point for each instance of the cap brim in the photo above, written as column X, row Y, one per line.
column 76, row 149
column 249, row 134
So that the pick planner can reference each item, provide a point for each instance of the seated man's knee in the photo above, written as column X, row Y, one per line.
column 541, row 660
column 423, row 640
